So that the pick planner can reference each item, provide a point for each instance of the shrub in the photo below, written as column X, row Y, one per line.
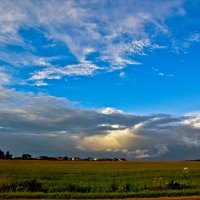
column 30, row 185
column 77, row 188
column 22, row 186
column 8, row 186
column 173, row 185
column 114, row 187
column 127, row 187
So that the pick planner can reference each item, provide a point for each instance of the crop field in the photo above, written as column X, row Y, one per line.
column 100, row 180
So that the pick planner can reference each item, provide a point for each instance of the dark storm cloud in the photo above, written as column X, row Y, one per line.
column 46, row 124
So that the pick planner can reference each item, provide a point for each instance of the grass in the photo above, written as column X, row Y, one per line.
column 92, row 180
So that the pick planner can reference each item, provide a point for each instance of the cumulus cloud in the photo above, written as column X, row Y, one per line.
column 109, row 111
column 193, row 120
column 44, row 124
column 112, row 140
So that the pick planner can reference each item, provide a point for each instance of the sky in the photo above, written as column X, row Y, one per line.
column 100, row 78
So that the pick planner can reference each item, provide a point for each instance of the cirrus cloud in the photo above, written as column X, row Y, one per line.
column 85, row 29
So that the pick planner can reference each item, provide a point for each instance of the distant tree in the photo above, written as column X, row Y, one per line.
column 26, row 156
column 2, row 156
column 66, row 158
column 8, row 155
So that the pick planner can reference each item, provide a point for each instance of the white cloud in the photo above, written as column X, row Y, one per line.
column 192, row 120
column 183, row 45
column 10, row 22
column 114, row 126
column 84, row 69
column 139, row 153
column 117, row 33
column 5, row 77
column 40, row 83
column 116, row 53
column 41, row 62
column 110, row 111
column 191, row 142
column 161, row 74
column 122, row 74
column 194, row 38
column 26, row 59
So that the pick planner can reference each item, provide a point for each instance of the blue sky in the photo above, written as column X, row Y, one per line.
column 137, row 58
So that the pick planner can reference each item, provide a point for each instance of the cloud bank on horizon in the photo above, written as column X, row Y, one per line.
column 48, row 125
column 136, row 56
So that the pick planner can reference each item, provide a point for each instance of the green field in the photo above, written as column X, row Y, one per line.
column 81, row 179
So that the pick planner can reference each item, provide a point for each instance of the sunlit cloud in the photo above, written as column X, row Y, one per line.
column 39, row 117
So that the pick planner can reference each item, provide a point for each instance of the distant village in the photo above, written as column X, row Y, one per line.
column 7, row 155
